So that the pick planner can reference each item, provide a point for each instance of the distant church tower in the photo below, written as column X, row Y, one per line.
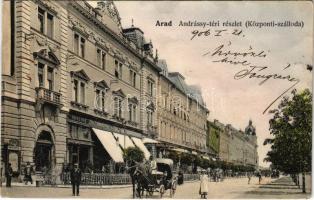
column 250, row 129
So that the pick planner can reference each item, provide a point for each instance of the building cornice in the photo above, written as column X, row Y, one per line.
column 120, row 40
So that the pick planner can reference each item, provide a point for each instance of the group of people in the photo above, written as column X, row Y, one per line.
column 76, row 175
column 28, row 171
column 258, row 174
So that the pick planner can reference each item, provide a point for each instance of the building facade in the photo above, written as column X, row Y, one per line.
column 76, row 80
column 215, row 129
column 236, row 146
column 182, row 114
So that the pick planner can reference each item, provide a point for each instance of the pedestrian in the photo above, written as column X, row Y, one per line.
column 180, row 178
column 203, row 185
column 8, row 174
column 28, row 170
column 76, row 175
column 259, row 177
column 249, row 176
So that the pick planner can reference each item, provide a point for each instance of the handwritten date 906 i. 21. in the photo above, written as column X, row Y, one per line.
column 217, row 33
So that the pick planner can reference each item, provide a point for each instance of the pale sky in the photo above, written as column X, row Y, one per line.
column 230, row 101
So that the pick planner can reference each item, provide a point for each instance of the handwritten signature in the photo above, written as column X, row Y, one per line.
column 222, row 54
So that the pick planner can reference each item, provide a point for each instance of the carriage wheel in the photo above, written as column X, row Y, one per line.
column 161, row 190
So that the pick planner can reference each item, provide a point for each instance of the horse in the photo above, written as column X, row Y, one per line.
column 140, row 179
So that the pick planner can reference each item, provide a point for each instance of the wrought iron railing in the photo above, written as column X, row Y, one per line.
column 99, row 179
column 48, row 95
column 102, row 179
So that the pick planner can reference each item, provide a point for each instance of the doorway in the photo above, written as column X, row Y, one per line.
column 43, row 152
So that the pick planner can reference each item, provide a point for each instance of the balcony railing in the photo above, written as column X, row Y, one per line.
column 48, row 96
column 152, row 129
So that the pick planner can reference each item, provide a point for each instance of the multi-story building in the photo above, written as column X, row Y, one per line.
column 182, row 114
column 214, row 131
column 77, row 87
column 236, row 146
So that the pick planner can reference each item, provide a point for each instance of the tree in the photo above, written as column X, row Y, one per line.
column 133, row 154
column 174, row 156
column 291, row 128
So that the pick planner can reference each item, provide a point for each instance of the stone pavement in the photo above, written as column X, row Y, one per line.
column 282, row 188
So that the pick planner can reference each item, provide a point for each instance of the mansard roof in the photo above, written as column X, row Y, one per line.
column 80, row 74
column 177, row 79
column 195, row 92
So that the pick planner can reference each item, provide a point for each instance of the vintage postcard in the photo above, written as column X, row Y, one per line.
column 156, row 99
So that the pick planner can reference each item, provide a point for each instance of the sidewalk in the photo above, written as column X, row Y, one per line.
column 69, row 186
column 283, row 188
column 15, row 184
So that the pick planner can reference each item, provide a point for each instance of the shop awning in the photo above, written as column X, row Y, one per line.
column 180, row 150
column 110, row 144
column 206, row 157
column 124, row 138
column 149, row 141
column 138, row 142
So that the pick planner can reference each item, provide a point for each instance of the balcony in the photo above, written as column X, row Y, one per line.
column 132, row 123
column 48, row 96
column 152, row 130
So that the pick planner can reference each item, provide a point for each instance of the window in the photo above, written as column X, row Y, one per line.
column 118, row 106
column 50, row 78
column 98, row 57
column 100, row 99
column 132, row 112
column 82, row 46
column 79, row 45
column 101, row 58
column 76, row 43
column 150, row 117
column 150, row 86
column 82, row 90
column 41, row 18
column 46, row 22
column 133, row 78
column 118, row 69
column 45, row 76
column 41, row 74
column 49, row 25
column 75, row 91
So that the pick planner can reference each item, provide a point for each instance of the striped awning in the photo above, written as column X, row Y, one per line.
column 123, row 140
column 110, row 144
column 138, row 142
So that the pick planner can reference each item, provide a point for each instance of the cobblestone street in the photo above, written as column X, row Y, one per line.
column 229, row 188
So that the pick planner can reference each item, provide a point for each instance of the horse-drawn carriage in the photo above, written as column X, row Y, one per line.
column 160, row 181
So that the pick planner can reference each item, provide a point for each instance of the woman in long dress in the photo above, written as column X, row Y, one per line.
column 203, row 185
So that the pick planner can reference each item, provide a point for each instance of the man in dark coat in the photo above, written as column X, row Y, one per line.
column 8, row 174
column 76, row 175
